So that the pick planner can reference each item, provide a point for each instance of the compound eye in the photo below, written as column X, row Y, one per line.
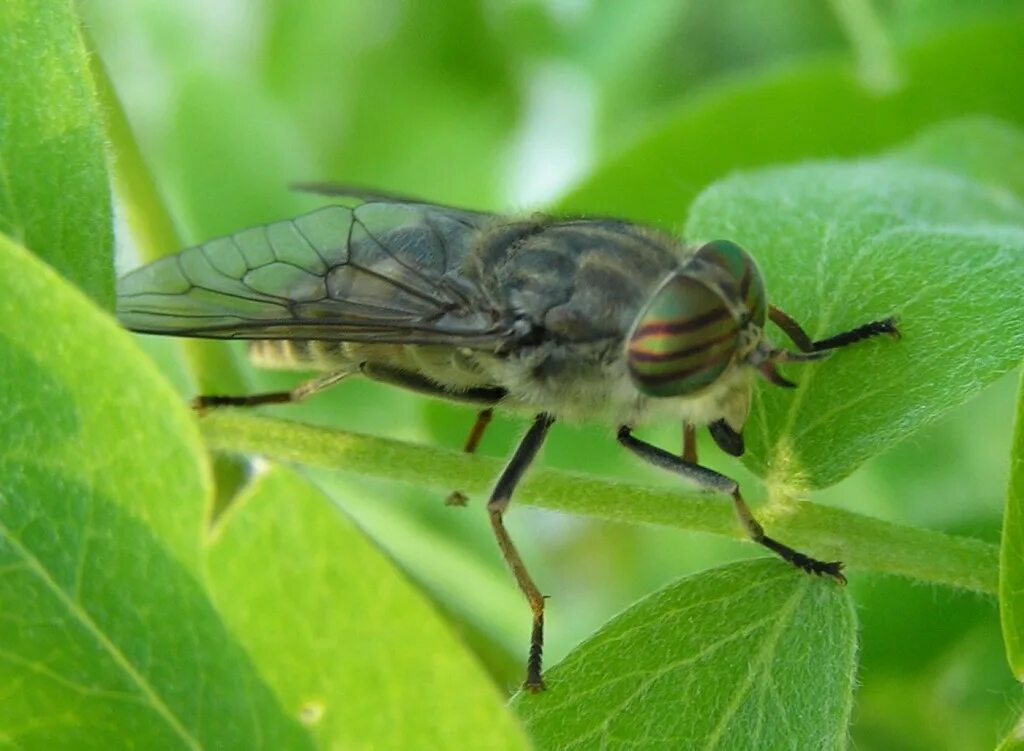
column 742, row 270
column 683, row 341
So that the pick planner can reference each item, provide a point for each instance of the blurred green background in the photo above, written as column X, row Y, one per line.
column 611, row 107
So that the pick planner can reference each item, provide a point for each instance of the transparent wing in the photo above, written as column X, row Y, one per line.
column 358, row 193
column 382, row 271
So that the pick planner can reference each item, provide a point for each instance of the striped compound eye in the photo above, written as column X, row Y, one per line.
column 683, row 341
column 747, row 282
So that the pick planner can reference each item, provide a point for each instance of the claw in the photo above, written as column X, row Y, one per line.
column 534, row 688
column 821, row 568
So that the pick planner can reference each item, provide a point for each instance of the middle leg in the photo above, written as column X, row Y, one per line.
column 500, row 498
column 486, row 396
column 689, row 443
column 483, row 419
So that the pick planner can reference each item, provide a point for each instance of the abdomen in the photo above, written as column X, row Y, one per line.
column 447, row 367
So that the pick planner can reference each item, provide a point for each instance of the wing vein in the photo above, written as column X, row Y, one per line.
column 394, row 256
column 382, row 274
column 327, row 264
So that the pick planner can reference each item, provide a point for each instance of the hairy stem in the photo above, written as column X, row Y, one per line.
column 860, row 541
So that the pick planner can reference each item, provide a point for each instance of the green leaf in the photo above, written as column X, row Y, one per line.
column 54, row 194
column 1011, row 559
column 845, row 243
column 108, row 638
column 751, row 655
column 750, row 121
column 348, row 644
column 987, row 150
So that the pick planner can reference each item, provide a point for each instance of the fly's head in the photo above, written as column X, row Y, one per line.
column 703, row 322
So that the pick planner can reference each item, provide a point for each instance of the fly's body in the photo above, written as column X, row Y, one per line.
column 580, row 319
column 552, row 300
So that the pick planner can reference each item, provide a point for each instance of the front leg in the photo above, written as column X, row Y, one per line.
column 796, row 332
column 711, row 480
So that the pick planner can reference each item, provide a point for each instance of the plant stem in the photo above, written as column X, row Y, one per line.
column 152, row 229
column 860, row 541
column 876, row 60
column 1011, row 569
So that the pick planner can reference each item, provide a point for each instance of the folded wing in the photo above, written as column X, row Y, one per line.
column 384, row 271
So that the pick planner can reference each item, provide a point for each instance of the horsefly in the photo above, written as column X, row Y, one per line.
column 582, row 319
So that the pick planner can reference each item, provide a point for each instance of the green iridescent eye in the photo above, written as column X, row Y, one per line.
column 683, row 341
column 743, row 271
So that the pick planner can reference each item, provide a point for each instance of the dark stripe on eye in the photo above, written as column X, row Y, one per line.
column 679, row 375
column 681, row 326
column 639, row 354
column 745, row 283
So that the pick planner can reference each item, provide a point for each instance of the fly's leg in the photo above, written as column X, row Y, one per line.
column 483, row 395
column 727, row 439
column 795, row 332
column 487, row 396
column 301, row 392
column 483, row 419
column 496, row 506
column 712, row 480
column 689, row 443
